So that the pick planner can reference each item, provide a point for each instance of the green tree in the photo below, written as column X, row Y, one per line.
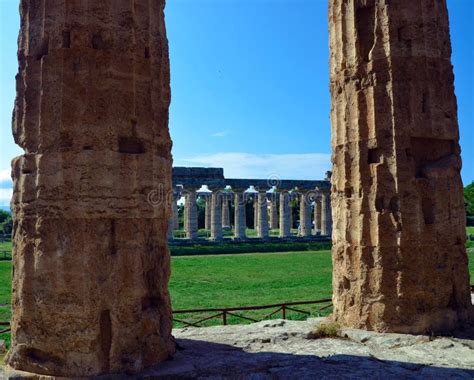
column 6, row 223
column 469, row 199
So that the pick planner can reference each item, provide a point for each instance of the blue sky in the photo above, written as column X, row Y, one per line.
column 249, row 85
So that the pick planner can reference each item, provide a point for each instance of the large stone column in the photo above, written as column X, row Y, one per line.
column 290, row 214
column 207, row 213
column 239, row 216
column 90, row 259
column 216, row 216
column 273, row 212
column 305, row 216
column 285, row 228
column 170, row 228
column 398, row 253
column 225, row 211
column 255, row 212
column 317, row 216
column 190, row 215
column 262, row 229
column 174, row 210
column 326, row 214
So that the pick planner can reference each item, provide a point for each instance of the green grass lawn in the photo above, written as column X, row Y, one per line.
column 250, row 279
column 5, row 296
column 5, row 245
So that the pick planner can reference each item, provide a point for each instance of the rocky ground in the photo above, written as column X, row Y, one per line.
column 281, row 349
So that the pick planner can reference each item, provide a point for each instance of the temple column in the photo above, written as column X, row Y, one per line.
column 91, row 265
column 173, row 217
column 190, row 222
column 255, row 212
column 239, row 216
column 317, row 216
column 207, row 213
column 284, row 214
column 262, row 230
column 326, row 215
column 290, row 215
column 216, row 216
column 225, row 211
column 305, row 216
column 273, row 212
column 170, row 230
column 174, row 208
column 399, row 254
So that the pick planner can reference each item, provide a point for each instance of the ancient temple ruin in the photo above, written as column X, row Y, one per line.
column 90, row 257
column 91, row 264
column 399, row 260
column 272, row 200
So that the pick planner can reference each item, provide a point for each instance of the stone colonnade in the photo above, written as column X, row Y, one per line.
column 272, row 210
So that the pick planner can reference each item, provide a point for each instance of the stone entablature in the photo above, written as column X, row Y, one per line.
column 213, row 178
column 272, row 199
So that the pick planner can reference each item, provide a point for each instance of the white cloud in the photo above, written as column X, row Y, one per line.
column 5, row 174
column 5, row 196
column 312, row 166
column 219, row 134
column 5, row 179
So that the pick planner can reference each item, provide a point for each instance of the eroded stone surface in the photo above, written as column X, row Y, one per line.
column 90, row 260
column 281, row 349
column 399, row 223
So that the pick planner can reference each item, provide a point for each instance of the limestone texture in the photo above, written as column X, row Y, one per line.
column 262, row 213
column 326, row 214
column 285, row 215
column 273, row 212
column 190, row 215
column 317, row 217
column 305, row 215
column 91, row 264
column 207, row 213
column 399, row 259
column 216, row 216
column 239, row 215
column 225, row 211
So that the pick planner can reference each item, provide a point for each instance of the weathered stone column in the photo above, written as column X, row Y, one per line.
column 290, row 214
column 190, row 214
column 225, row 211
column 174, row 208
column 317, row 216
column 239, row 216
column 216, row 216
column 255, row 212
column 285, row 214
column 207, row 213
column 273, row 212
column 170, row 229
column 262, row 216
column 399, row 258
column 326, row 214
column 90, row 259
column 305, row 216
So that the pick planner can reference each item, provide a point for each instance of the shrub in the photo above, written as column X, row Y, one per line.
column 325, row 330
